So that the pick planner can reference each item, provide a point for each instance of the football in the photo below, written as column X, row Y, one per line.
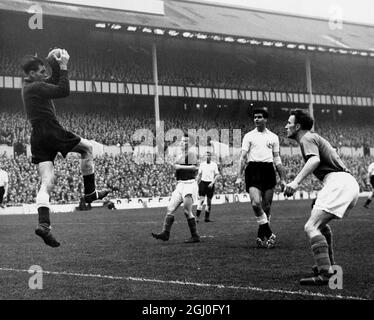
column 51, row 59
column 56, row 52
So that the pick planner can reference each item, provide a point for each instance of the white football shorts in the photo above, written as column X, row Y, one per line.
column 339, row 193
column 184, row 188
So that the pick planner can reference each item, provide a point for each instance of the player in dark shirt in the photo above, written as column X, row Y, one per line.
column 186, row 192
column 338, row 195
column 48, row 137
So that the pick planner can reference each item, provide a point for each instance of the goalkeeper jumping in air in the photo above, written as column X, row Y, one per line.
column 48, row 137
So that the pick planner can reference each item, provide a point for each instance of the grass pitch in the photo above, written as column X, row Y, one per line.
column 111, row 255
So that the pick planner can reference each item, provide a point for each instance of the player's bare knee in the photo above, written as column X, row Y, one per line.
column 90, row 148
column 256, row 205
column 188, row 213
column 307, row 228
column 88, row 151
column 169, row 213
column 48, row 183
column 310, row 229
column 50, row 186
column 85, row 149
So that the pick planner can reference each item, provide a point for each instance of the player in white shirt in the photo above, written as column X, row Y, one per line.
column 4, row 180
column 207, row 176
column 370, row 182
column 260, row 152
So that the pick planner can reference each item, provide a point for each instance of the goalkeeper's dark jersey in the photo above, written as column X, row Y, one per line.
column 37, row 95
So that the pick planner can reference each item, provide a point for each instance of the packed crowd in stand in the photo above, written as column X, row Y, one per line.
column 94, row 125
column 132, row 177
column 188, row 66
column 192, row 66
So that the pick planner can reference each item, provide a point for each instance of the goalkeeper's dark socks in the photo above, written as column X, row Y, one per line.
column 43, row 217
column 263, row 226
column 96, row 195
column 321, row 254
column 198, row 212
column 88, row 198
column 260, row 232
column 264, row 231
column 367, row 202
column 89, row 184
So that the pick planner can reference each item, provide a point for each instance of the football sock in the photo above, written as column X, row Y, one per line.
column 262, row 219
column 268, row 214
column 320, row 253
column 43, row 217
column 89, row 183
column 207, row 214
column 263, row 228
column 198, row 212
column 42, row 203
column 168, row 222
column 367, row 202
column 326, row 231
column 192, row 226
column 264, row 231
column 208, row 209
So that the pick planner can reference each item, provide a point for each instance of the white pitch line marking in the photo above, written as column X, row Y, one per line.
column 196, row 284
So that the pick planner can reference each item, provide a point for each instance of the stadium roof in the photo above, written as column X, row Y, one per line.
column 269, row 28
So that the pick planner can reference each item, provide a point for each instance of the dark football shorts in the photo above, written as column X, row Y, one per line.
column 2, row 191
column 48, row 138
column 372, row 181
column 204, row 190
column 260, row 175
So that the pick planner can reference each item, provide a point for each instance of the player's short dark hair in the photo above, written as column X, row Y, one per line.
column 264, row 113
column 303, row 118
column 31, row 63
